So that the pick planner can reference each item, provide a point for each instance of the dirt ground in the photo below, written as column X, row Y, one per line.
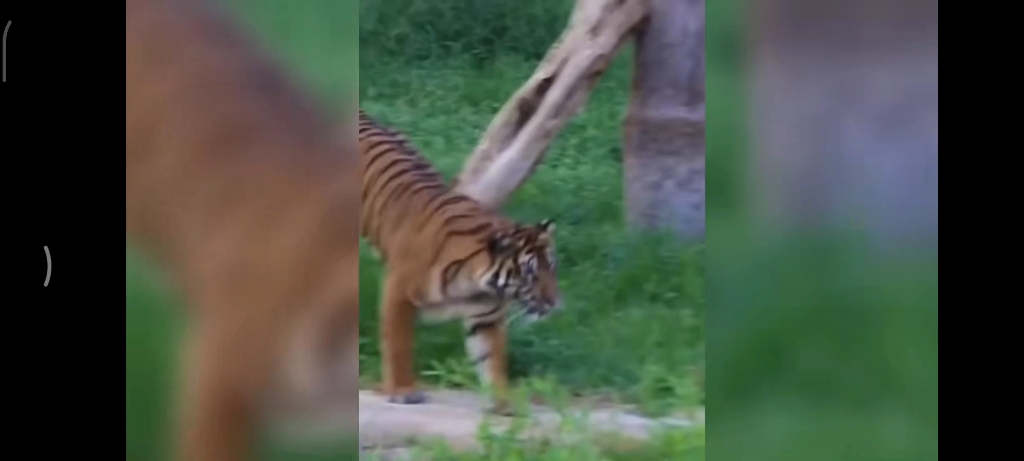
column 455, row 417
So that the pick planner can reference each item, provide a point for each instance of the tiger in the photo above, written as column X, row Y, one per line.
column 446, row 257
column 237, row 187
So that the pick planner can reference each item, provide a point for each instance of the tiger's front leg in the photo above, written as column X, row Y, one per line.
column 397, row 323
column 487, row 347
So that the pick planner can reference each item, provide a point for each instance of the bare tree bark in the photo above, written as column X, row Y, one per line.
column 520, row 134
column 663, row 163
column 845, row 117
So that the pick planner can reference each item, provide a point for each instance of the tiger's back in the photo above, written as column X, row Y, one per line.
column 406, row 203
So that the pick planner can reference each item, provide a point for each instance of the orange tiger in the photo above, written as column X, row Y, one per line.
column 446, row 256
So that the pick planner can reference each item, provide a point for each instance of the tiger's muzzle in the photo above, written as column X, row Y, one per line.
column 537, row 308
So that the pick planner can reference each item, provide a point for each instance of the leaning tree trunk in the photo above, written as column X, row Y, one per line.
column 845, row 115
column 518, row 137
column 663, row 163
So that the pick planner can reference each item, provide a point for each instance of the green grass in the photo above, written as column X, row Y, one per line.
column 633, row 323
column 150, row 331
column 675, row 445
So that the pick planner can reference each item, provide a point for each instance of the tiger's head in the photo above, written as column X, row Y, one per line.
column 523, row 267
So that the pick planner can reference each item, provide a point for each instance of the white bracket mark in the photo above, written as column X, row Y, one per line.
column 49, row 266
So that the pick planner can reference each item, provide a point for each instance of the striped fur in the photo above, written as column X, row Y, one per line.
column 447, row 257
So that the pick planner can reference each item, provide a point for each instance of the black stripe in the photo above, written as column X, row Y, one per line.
column 498, row 290
column 490, row 312
column 470, row 231
column 431, row 211
column 385, row 142
column 398, row 191
column 426, row 217
column 460, row 232
column 450, row 200
column 408, row 174
column 418, row 171
column 412, row 188
column 427, row 186
column 383, row 147
column 447, row 277
column 478, row 327
column 450, row 219
column 372, row 183
column 395, row 161
column 380, row 206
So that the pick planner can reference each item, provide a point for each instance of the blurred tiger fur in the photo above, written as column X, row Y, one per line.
column 446, row 256
column 236, row 187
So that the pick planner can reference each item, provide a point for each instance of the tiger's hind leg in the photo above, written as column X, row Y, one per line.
column 397, row 321
column 487, row 347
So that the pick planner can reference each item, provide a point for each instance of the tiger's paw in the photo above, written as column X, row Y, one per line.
column 407, row 398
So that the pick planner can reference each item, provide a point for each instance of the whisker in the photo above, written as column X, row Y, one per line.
column 516, row 314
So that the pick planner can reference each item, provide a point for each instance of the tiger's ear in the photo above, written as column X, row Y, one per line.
column 500, row 243
column 547, row 226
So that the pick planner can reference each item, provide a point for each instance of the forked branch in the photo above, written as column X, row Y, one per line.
column 521, row 132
